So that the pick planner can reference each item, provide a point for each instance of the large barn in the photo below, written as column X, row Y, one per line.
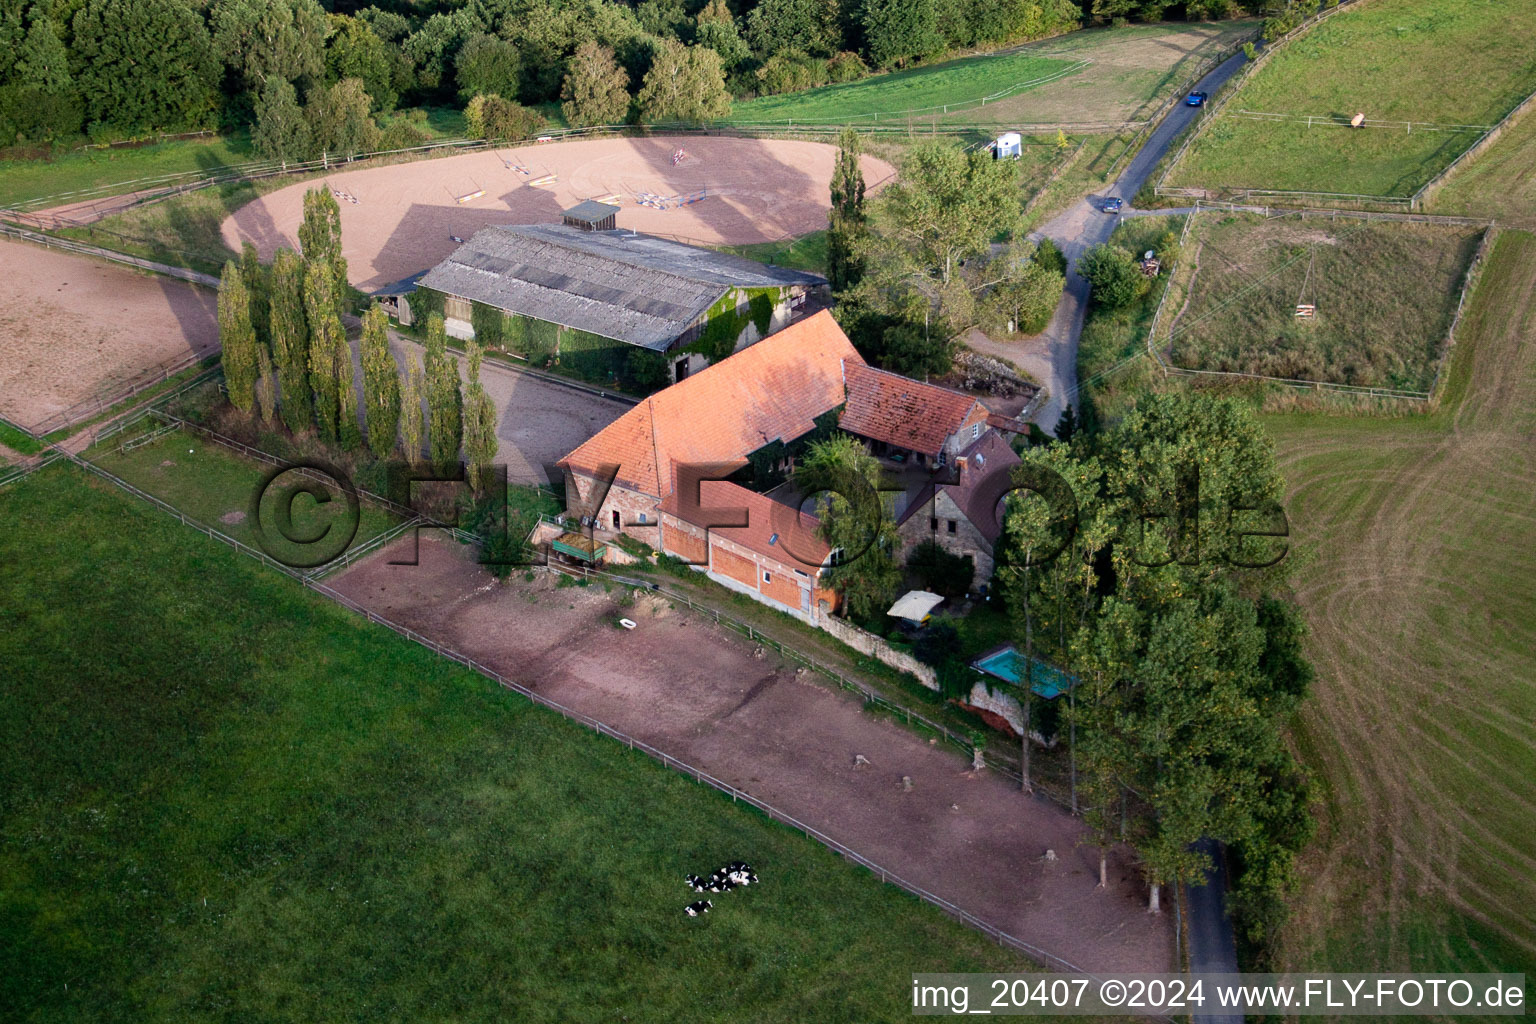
column 593, row 287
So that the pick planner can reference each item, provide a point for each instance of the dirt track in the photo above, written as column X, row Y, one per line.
column 695, row 690
column 757, row 190
column 73, row 328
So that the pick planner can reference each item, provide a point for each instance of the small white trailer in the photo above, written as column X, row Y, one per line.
column 1008, row 144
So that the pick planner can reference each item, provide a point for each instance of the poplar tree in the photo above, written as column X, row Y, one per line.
column 445, row 403
column 381, row 383
column 320, row 240
column 266, row 385
column 846, row 220
column 237, row 338
column 325, row 335
column 290, row 340
column 348, row 429
column 480, row 443
column 257, row 283
column 411, row 426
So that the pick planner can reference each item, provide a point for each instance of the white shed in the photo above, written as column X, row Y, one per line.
column 1008, row 144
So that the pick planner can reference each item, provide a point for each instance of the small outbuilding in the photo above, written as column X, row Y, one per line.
column 591, row 215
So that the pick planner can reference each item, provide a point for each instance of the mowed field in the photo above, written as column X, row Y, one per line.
column 1499, row 183
column 1418, row 545
column 406, row 216
column 1385, row 294
column 1461, row 62
column 226, row 798
column 1045, row 82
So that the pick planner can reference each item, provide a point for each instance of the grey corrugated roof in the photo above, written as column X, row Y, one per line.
column 629, row 287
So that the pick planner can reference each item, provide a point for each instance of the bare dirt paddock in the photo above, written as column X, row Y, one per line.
column 74, row 329
column 700, row 692
column 754, row 190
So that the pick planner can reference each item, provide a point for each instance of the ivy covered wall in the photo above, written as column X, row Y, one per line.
column 605, row 361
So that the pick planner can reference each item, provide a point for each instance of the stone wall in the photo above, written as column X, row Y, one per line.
column 877, row 648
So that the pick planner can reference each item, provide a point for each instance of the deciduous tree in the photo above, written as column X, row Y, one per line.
column 854, row 523
column 237, row 338
column 846, row 226
column 596, row 89
column 145, row 65
column 281, row 131
column 445, row 403
column 685, row 83
column 340, row 124
column 411, row 399
column 266, row 385
column 716, row 28
column 262, row 40
column 381, row 383
column 1113, row 274
column 488, row 65
column 256, row 282
column 480, row 442
column 326, row 338
column 320, row 240
column 354, row 50
column 290, row 340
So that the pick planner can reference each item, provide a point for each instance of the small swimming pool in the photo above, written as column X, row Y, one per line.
column 1008, row 664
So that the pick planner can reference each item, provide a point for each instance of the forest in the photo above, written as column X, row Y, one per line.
column 304, row 76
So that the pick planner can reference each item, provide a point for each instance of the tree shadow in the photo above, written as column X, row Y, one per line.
column 424, row 237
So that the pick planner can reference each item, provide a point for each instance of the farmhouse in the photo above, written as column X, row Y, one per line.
column 701, row 452
column 963, row 517
column 771, row 393
column 588, row 287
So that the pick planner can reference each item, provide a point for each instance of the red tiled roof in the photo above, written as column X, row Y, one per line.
column 773, row 530
column 901, row 411
column 771, row 391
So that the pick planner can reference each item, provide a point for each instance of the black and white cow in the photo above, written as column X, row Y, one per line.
column 695, row 909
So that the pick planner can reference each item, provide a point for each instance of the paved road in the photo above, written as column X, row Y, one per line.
column 1212, row 946
column 1077, row 229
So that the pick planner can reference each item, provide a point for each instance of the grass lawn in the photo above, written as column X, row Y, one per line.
column 23, row 180
column 1500, row 183
column 215, row 486
column 1112, row 361
column 228, row 799
column 1437, row 61
column 18, row 440
column 182, row 231
column 1385, row 295
column 1417, row 553
column 889, row 97
column 1131, row 69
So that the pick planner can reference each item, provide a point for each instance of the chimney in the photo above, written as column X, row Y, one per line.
column 960, row 471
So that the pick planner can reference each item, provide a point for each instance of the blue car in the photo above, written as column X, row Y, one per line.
column 1195, row 99
column 1112, row 205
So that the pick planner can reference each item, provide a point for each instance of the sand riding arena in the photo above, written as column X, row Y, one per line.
column 399, row 220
